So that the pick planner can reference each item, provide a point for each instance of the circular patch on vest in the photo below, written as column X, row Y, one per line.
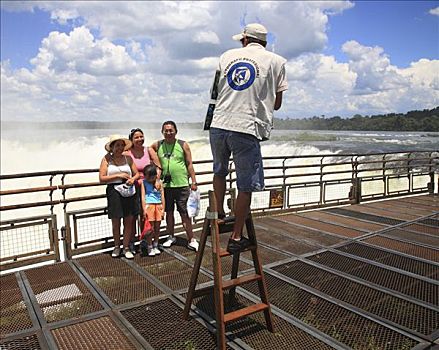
column 241, row 75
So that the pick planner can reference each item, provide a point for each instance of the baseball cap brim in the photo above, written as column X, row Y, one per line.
column 238, row 37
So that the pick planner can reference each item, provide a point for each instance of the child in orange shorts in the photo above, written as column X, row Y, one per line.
column 153, row 202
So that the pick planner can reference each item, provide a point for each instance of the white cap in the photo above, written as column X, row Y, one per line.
column 252, row 30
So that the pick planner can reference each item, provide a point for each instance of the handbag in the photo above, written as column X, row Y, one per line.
column 125, row 190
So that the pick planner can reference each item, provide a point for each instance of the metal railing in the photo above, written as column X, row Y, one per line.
column 292, row 183
column 29, row 241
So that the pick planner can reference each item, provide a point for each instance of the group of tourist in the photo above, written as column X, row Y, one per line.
column 248, row 87
column 158, row 176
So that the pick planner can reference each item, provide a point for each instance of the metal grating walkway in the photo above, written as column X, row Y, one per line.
column 338, row 278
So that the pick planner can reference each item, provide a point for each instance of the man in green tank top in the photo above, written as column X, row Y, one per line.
column 176, row 160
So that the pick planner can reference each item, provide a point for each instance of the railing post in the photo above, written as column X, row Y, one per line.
column 51, row 193
column 66, row 236
column 385, row 185
column 54, row 237
column 409, row 173
column 322, row 187
column 284, row 185
column 355, row 192
column 430, row 185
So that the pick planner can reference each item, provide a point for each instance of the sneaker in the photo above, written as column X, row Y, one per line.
column 170, row 241
column 193, row 245
column 128, row 253
column 156, row 250
column 116, row 252
column 151, row 251
column 132, row 248
column 238, row 246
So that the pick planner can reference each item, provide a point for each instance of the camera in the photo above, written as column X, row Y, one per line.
column 167, row 178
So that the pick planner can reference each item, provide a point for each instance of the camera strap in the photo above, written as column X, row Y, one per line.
column 167, row 154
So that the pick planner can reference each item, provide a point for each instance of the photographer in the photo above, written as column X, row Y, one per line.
column 176, row 160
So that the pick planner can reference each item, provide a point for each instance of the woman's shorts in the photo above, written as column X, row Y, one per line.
column 154, row 212
column 120, row 207
column 178, row 196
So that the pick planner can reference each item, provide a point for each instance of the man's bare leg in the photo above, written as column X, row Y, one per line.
column 187, row 224
column 170, row 222
column 242, row 208
column 219, row 187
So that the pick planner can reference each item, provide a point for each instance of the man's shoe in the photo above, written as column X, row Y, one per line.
column 116, row 252
column 170, row 241
column 238, row 246
column 128, row 254
column 151, row 252
column 193, row 245
column 156, row 250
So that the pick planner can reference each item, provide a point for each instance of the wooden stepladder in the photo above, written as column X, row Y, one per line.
column 214, row 227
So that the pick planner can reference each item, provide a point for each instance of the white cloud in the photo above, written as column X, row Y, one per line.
column 80, row 52
column 206, row 37
column 373, row 68
column 166, row 53
column 368, row 84
column 434, row 11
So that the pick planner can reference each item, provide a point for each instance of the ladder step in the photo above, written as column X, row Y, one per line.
column 224, row 252
column 241, row 280
column 226, row 224
column 235, row 315
column 226, row 220
column 228, row 284
column 203, row 291
column 225, row 227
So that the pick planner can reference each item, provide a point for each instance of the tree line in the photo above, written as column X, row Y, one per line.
column 425, row 120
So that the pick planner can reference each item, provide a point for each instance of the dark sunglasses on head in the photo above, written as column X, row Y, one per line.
column 133, row 131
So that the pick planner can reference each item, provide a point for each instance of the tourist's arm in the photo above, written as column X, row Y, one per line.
column 162, row 191
column 142, row 199
column 278, row 101
column 135, row 174
column 155, row 159
column 103, row 177
column 189, row 165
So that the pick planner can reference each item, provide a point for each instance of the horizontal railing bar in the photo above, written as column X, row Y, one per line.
column 46, row 173
column 84, row 184
column 16, row 224
column 28, row 205
column 19, row 256
column 322, row 156
column 45, row 218
column 28, row 190
column 29, row 261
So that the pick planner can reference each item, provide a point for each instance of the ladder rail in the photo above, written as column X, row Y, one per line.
column 211, row 226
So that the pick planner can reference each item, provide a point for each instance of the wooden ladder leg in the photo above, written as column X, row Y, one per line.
column 233, row 275
column 258, row 268
column 196, row 270
column 218, row 277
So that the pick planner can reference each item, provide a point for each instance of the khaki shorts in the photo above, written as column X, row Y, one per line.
column 154, row 212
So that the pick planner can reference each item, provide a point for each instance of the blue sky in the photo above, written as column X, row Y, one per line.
column 106, row 60
column 404, row 28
